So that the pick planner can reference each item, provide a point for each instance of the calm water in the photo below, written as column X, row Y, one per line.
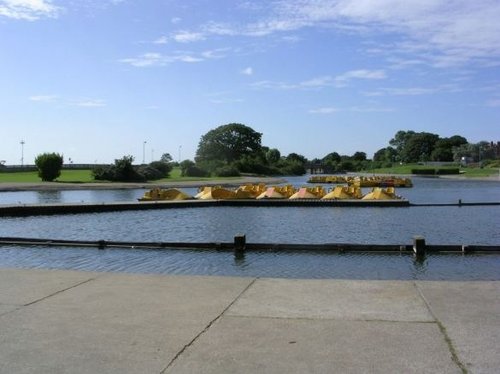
column 439, row 225
column 282, row 264
column 426, row 190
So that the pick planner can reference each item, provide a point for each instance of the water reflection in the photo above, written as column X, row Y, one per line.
column 49, row 197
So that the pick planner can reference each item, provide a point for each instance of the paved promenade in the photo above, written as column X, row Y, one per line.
column 80, row 322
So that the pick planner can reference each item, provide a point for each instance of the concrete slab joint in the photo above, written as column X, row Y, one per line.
column 63, row 321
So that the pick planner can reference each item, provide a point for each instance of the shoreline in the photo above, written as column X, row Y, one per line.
column 65, row 186
column 54, row 186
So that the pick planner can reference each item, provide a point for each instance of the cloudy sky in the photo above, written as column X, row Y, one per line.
column 95, row 79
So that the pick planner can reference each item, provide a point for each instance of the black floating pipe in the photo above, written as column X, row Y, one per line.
column 239, row 245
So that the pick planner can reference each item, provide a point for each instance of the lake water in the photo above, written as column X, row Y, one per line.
column 439, row 225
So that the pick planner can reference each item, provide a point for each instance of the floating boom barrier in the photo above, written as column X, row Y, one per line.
column 418, row 247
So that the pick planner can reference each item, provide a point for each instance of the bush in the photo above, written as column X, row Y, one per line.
column 432, row 171
column 103, row 173
column 294, row 168
column 427, row 171
column 121, row 171
column 163, row 167
column 448, row 171
column 49, row 166
column 194, row 171
column 149, row 173
column 124, row 171
column 227, row 171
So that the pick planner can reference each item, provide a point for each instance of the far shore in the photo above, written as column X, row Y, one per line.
column 54, row 186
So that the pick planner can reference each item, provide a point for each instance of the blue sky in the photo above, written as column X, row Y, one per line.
column 94, row 80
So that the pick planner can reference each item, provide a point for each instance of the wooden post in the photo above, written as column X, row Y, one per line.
column 419, row 246
column 239, row 242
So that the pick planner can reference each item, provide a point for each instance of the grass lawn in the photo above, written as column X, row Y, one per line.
column 85, row 176
column 82, row 176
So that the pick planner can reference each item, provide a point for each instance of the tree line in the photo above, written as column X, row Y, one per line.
column 234, row 149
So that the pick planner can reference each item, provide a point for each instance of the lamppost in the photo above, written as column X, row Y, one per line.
column 22, row 142
column 180, row 147
column 144, row 152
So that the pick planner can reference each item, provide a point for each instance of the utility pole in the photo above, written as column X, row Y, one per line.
column 22, row 152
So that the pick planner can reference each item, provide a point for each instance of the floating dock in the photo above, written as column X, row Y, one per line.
column 77, row 208
column 20, row 210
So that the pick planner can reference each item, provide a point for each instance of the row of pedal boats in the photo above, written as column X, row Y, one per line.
column 261, row 191
column 363, row 181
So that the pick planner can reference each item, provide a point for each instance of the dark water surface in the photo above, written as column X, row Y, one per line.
column 439, row 225
column 283, row 264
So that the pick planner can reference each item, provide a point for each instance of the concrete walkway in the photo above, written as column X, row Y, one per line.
column 79, row 322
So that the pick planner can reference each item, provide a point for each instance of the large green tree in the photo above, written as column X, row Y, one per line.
column 443, row 150
column 387, row 154
column 419, row 147
column 400, row 140
column 228, row 143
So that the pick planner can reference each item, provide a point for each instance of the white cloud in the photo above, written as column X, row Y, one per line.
column 188, row 37
column 370, row 109
column 29, row 10
column 323, row 81
column 175, row 20
column 247, row 71
column 317, row 82
column 440, row 33
column 219, row 28
column 188, row 58
column 451, row 32
column 314, row 83
column 325, row 110
column 214, row 53
column 343, row 79
column 84, row 102
column 44, row 98
column 414, row 91
column 360, row 109
column 161, row 40
column 154, row 59
column 90, row 103
column 146, row 59
column 266, row 84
